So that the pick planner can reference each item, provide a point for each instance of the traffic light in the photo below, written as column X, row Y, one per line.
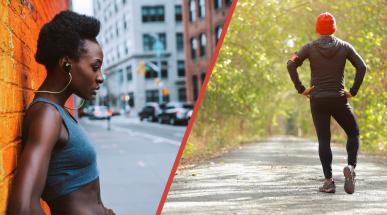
column 165, row 91
column 141, row 68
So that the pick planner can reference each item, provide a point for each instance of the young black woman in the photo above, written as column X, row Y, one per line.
column 58, row 161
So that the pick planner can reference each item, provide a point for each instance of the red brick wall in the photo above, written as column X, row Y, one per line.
column 213, row 17
column 20, row 22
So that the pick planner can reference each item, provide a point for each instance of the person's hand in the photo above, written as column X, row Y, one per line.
column 307, row 91
column 347, row 94
column 109, row 211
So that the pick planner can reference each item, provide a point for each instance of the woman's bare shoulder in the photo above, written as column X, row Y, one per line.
column 41, row 119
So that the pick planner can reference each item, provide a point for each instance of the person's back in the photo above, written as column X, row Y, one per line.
column 328, row 98
column 327, row 56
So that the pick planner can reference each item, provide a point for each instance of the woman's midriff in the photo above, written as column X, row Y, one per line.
column 84, row 201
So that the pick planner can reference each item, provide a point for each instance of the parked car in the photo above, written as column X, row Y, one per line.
column 82, row 112
column 115, row 111
column 189, row 114
column 175, row 112
column 99, row 112
column 150, row 111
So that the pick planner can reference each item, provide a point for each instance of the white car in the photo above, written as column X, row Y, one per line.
column 99, row 112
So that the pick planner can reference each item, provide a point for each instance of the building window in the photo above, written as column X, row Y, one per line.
column 193, row 47
column 164, row 69
column 120, row 76
column 217, row 4
column 195, row 87
column 192, row 10
column 178, row 13
column 203, row 76
column 129, row 75
column 152, row 96
column 180, row 68
column 126, row 50
column 149, row 41
column 202, row 9
column 203, row 41
column 150, row 73
column 179, row 42
column 153, row 13
column 182, row 94
column 218, row 32
column 228, row 2
column 166, row 98
column 131, row 99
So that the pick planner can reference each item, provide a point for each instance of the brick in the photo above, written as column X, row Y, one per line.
column 7, row 66
column 4, row 191
column 11, row 123
column 17, row 24
column 16, row 6
column 22, row 53
column 5, row 39
column 8, row 159
column 4, row 13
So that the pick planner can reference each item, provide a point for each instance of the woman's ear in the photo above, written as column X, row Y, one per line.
column 66, row 64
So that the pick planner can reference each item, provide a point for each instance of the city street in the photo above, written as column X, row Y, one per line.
column 134, row 159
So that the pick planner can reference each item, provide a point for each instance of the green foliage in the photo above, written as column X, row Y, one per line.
column 250, row 93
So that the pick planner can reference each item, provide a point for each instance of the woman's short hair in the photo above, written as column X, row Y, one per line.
column 64, row 36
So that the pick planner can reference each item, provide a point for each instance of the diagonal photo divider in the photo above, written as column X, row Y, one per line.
column 196, row 107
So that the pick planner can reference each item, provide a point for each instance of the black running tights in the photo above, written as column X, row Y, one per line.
column 322, row 109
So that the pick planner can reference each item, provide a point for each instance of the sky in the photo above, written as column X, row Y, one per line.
column 83, row 6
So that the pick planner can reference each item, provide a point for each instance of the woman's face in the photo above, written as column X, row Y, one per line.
column 87, row 75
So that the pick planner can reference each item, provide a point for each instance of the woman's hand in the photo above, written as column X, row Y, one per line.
column 347, row 94
column 307, row 91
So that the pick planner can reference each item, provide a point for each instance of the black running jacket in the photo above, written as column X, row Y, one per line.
column 327, row 56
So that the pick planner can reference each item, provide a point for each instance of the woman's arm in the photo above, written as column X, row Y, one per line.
column 41, row 130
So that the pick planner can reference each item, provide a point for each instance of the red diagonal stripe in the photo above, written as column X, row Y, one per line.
column 202, row 90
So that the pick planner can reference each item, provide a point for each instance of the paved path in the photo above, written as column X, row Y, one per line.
column 278, row 176
column 134, row 162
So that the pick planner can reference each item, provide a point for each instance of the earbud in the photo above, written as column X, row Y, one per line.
column 67, row 67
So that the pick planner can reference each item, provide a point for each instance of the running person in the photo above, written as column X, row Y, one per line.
column 58, row 161
column 327, row 56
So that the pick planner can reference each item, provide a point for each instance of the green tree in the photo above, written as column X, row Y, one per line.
column 250, row 94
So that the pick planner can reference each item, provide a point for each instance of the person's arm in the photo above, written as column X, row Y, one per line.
column 295, row 61
column 42, row 130
column 360, row 66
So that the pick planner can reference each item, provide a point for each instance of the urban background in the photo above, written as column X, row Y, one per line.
column 156, row 51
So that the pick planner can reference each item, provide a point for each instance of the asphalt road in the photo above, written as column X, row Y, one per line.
column 277, row 176
column 134, row 160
